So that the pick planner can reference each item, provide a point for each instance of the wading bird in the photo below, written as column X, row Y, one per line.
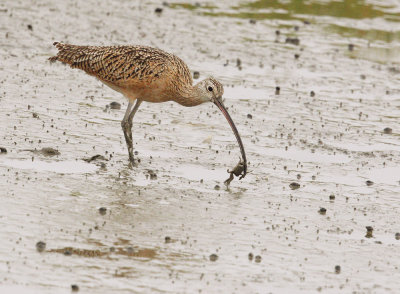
column 148, row 74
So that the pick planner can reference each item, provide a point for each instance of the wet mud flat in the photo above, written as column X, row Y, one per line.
column 315, row 97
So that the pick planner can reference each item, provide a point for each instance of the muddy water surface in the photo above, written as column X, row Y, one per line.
column 323, row 151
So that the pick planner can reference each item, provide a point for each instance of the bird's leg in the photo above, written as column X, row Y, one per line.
column 126, row 124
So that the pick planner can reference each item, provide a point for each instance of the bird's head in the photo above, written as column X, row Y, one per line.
column 212, row 90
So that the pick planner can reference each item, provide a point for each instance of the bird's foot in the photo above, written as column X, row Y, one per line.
column 133, row 163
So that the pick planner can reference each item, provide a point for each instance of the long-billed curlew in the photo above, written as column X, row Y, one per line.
column 143, row 73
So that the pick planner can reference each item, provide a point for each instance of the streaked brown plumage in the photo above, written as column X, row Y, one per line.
column 144, row 73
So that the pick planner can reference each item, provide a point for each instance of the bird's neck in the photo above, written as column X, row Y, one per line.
column 190, row 96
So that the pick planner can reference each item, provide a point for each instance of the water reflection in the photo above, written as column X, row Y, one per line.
column 294, row 9
column 356, row 9
column 370, row 35
column 359, row 19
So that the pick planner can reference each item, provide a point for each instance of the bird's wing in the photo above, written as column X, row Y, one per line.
column 122, row 66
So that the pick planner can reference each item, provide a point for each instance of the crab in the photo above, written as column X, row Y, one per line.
column 238, row 171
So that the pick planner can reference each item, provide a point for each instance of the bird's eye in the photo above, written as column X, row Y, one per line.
column 210, row 88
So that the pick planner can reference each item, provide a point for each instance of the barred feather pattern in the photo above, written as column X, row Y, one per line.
column 127, row 67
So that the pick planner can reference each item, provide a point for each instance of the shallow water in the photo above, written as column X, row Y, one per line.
column 158, row 232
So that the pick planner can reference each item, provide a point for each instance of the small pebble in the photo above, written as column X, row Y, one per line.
column 95, row 157
column 322, row 211
column 296, row 56
column 369, row 231
column 252, row 21
column 312, row 93
column 115, row 105
column 387, row 131
column 40, row 246
column 250, row 256
column 369, row 183
column 337, row 269
column 30, row 27
column 35, row 115
column 331, row 197
column 3, row 150
column 397, row 236
column 213, row 257
column 294, row 186
column 152, row 174
column 102, row 210
column 168, row 239
column 48, row 151
column 257, row 259
column 74, row 288
column 293, row 41
column 277, row 90
column 351, row 47
column 249, row 116
column 196, row 75
column 67, row 252
column 217, row 187
column 158, row 10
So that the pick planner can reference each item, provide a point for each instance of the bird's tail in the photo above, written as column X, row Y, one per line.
column 66, row 53
column 75, row 56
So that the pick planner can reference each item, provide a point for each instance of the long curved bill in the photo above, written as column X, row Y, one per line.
column 221, row 107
